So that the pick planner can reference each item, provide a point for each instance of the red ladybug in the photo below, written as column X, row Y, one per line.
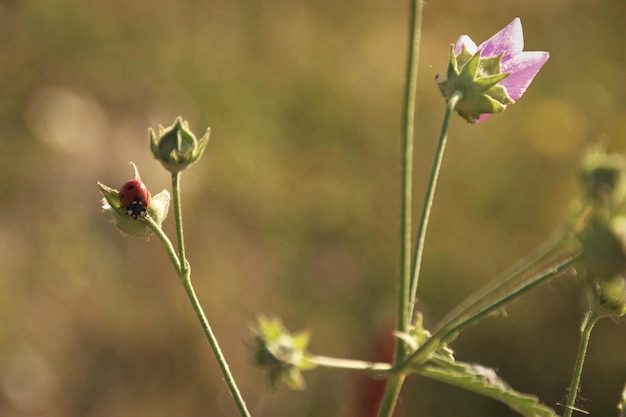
column 135, row 198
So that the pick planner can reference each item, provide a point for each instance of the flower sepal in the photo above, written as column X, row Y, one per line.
column 477, row 79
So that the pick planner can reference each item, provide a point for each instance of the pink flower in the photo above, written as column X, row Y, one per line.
column 502, row 54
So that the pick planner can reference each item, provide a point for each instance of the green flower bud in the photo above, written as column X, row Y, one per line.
column 604, row 248
column 602, row 176
column 604, row 262
column 176, row 146
column 608, row 297
column 126, row 224
column 283, row 354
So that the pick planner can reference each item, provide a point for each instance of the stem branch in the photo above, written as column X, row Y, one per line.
column 375, row 368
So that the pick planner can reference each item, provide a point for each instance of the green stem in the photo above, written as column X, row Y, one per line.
column 391, row 395
column 408, row 127
column 588, row 323
column 221, row 360
column 394, row 384
column 374, row 368
column 169, row 248
column 428, row 201
column 178, row 217
column 184, row 273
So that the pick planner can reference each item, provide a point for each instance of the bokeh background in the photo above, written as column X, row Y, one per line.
column 294, row 209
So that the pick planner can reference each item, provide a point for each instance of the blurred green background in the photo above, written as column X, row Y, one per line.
column 294, row 209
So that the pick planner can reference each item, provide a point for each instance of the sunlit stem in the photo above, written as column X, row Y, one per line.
column 394, row 384
column 178, row 217
column 221, row 360
column 586, row 328
column 377, row 369
column 428, row 201
column 184, row 272
column 167, row 244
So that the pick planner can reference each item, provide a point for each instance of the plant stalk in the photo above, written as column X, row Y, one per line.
column 428, row 201
column 590, row 320
column 394, row 384
column 184, row 273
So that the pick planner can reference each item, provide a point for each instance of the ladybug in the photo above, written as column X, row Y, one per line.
column 135, row 198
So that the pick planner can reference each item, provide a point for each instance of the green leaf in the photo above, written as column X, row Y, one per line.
column 484, row 381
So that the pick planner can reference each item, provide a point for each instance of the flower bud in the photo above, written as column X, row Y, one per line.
column 127, row 224
column 604, row 248
column 283, row 354
column 602, row 176
column 176, row 146
column 604, row 262
column 608, row 297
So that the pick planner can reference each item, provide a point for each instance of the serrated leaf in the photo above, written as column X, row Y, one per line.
column 484, row 381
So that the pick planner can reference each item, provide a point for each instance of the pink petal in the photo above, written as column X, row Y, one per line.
column 470, row 45
column 523, row 68
column 482, row 118
column 509, row 40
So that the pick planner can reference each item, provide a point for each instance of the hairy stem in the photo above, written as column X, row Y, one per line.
column 221, row 360
column 184, row 273
column 587, row 326
column 408, row 127
column 178, row 217
column 169, row 248
column 394, row 384
column 374, row 368
column 428, row 200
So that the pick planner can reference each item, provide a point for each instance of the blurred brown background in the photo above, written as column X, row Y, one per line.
column 294, row 209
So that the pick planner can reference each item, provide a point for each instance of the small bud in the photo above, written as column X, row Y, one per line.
column 283, row 354
column 128, row 224
column 608, row 297
column 604, row 262
column 602, row 176
column 604, row 248
column 176, row 146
